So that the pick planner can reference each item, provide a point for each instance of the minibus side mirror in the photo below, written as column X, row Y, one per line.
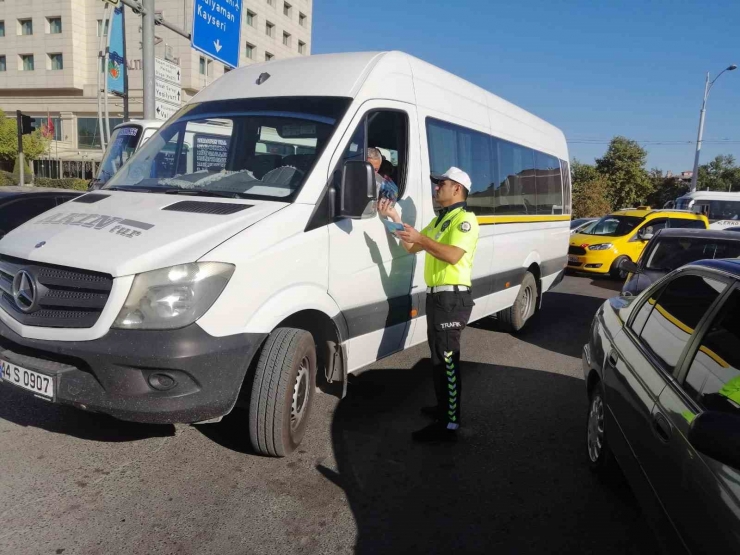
column 717, row 435
column 358, row 195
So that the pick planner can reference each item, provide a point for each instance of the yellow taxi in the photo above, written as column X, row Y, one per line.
column 624, row 234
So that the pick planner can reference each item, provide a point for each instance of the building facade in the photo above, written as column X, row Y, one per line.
column 49, row 57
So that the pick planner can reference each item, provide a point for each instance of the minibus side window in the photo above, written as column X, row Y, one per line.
column 516, row 187
column 452, row 145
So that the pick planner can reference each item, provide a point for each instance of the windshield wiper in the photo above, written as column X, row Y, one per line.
column 127, row 189
column 200, row 193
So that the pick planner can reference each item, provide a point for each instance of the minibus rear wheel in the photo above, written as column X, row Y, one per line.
column 513, row 318
column 282, row 392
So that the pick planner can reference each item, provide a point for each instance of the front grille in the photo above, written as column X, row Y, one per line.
column 578, row 251
column 64, row 297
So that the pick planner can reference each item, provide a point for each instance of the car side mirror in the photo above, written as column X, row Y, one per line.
column 717, row 435
column 358, row 194
column 627, row 265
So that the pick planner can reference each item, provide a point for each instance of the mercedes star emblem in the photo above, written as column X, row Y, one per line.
column 24, row 291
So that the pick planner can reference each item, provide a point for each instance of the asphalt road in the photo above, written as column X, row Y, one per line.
column 517, row 482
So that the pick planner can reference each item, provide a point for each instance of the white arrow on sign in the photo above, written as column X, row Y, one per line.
column 167, row 92
column 217, row 44
column 164, row 111
column 167, row 71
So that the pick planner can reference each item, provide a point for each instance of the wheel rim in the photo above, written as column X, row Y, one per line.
column 596, row 429
column 526, row 302
column 301, row 392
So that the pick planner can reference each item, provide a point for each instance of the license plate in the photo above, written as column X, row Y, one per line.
column 574, row 259
column 40, row 384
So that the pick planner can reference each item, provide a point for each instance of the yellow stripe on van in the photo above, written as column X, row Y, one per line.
column 491, row 220
column 714, row 356
column 673, row 320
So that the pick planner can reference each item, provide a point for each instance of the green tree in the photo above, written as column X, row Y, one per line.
column 721, row 174
column 590, row 197
column 34, row 144
column 664, row 189
column 623, row 166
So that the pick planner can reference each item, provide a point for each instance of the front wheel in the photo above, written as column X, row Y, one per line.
column 615, row 271
column 514, row 317
column 282, row 392
column 599, row 454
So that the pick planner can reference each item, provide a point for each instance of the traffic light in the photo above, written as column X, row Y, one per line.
column 26, row 124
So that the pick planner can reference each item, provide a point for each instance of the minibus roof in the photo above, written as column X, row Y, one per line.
column 393, row 76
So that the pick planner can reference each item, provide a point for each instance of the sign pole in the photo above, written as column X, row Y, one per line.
column 125, row 64
column 147, row 51
column 19, row 120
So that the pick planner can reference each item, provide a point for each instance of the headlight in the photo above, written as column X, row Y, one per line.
column 173, row 297
column 600, row 247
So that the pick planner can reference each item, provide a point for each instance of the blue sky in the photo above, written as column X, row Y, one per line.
column 595, row 69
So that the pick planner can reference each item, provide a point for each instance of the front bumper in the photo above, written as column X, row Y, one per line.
column 593, row 262
column 113, row 374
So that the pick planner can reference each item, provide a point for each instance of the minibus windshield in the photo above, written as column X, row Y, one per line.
column 253, row 148
column 614, row 226
column 123, row 143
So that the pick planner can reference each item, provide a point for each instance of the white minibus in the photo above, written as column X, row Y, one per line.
column 251, row 275
column 715, row 205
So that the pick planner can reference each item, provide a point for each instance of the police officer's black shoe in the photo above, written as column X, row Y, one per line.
column 433, row 412
column 435, row 433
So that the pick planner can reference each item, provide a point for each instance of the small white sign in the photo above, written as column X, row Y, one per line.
column 164, row 111
column 165, row 70
column 167, row 92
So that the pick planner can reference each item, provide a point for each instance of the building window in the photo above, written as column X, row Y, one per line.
column 42, row 121
column 100, row 26
column 2, row 28
column 56, row 61
column 286, row 38
column 302, row 19
column 55, row 25
column 26, row 62
column 301, row 47
column 269, row 29
column 251, row 16
column 88, row 132
column 268, row 56
column 250, row 51
column 286, row 9
column 203, row 66
column 26, row 26
column 2, row 63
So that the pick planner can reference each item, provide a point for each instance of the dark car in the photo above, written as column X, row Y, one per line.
column 672, row 248
column 20, row 204
column 663, row 381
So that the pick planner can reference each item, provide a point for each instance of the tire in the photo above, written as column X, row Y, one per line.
column 615, row 272
column 282, row 392
column 600, row 458
column 513, row 318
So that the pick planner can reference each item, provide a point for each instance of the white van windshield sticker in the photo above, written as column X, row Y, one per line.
column 119, row 226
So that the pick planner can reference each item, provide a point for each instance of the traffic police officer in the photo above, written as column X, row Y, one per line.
column 449, row 241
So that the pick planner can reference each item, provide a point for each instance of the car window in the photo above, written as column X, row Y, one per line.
column 679, row 308
column 682, row 223
column 614, row 226
column 654, row 226
column 673, row 252
column 20, row 211
column 713, row 379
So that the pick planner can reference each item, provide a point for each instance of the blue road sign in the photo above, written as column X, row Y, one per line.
column 217, row 29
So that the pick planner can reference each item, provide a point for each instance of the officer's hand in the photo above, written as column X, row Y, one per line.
column 387, row 210
column 409, row 234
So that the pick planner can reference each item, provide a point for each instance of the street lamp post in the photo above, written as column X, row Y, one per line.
column 707, row 88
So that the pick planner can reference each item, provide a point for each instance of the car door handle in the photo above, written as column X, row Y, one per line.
column 662, row 428
column 613, row 358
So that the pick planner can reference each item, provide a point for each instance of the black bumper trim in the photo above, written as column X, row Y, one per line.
column 111, row 374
